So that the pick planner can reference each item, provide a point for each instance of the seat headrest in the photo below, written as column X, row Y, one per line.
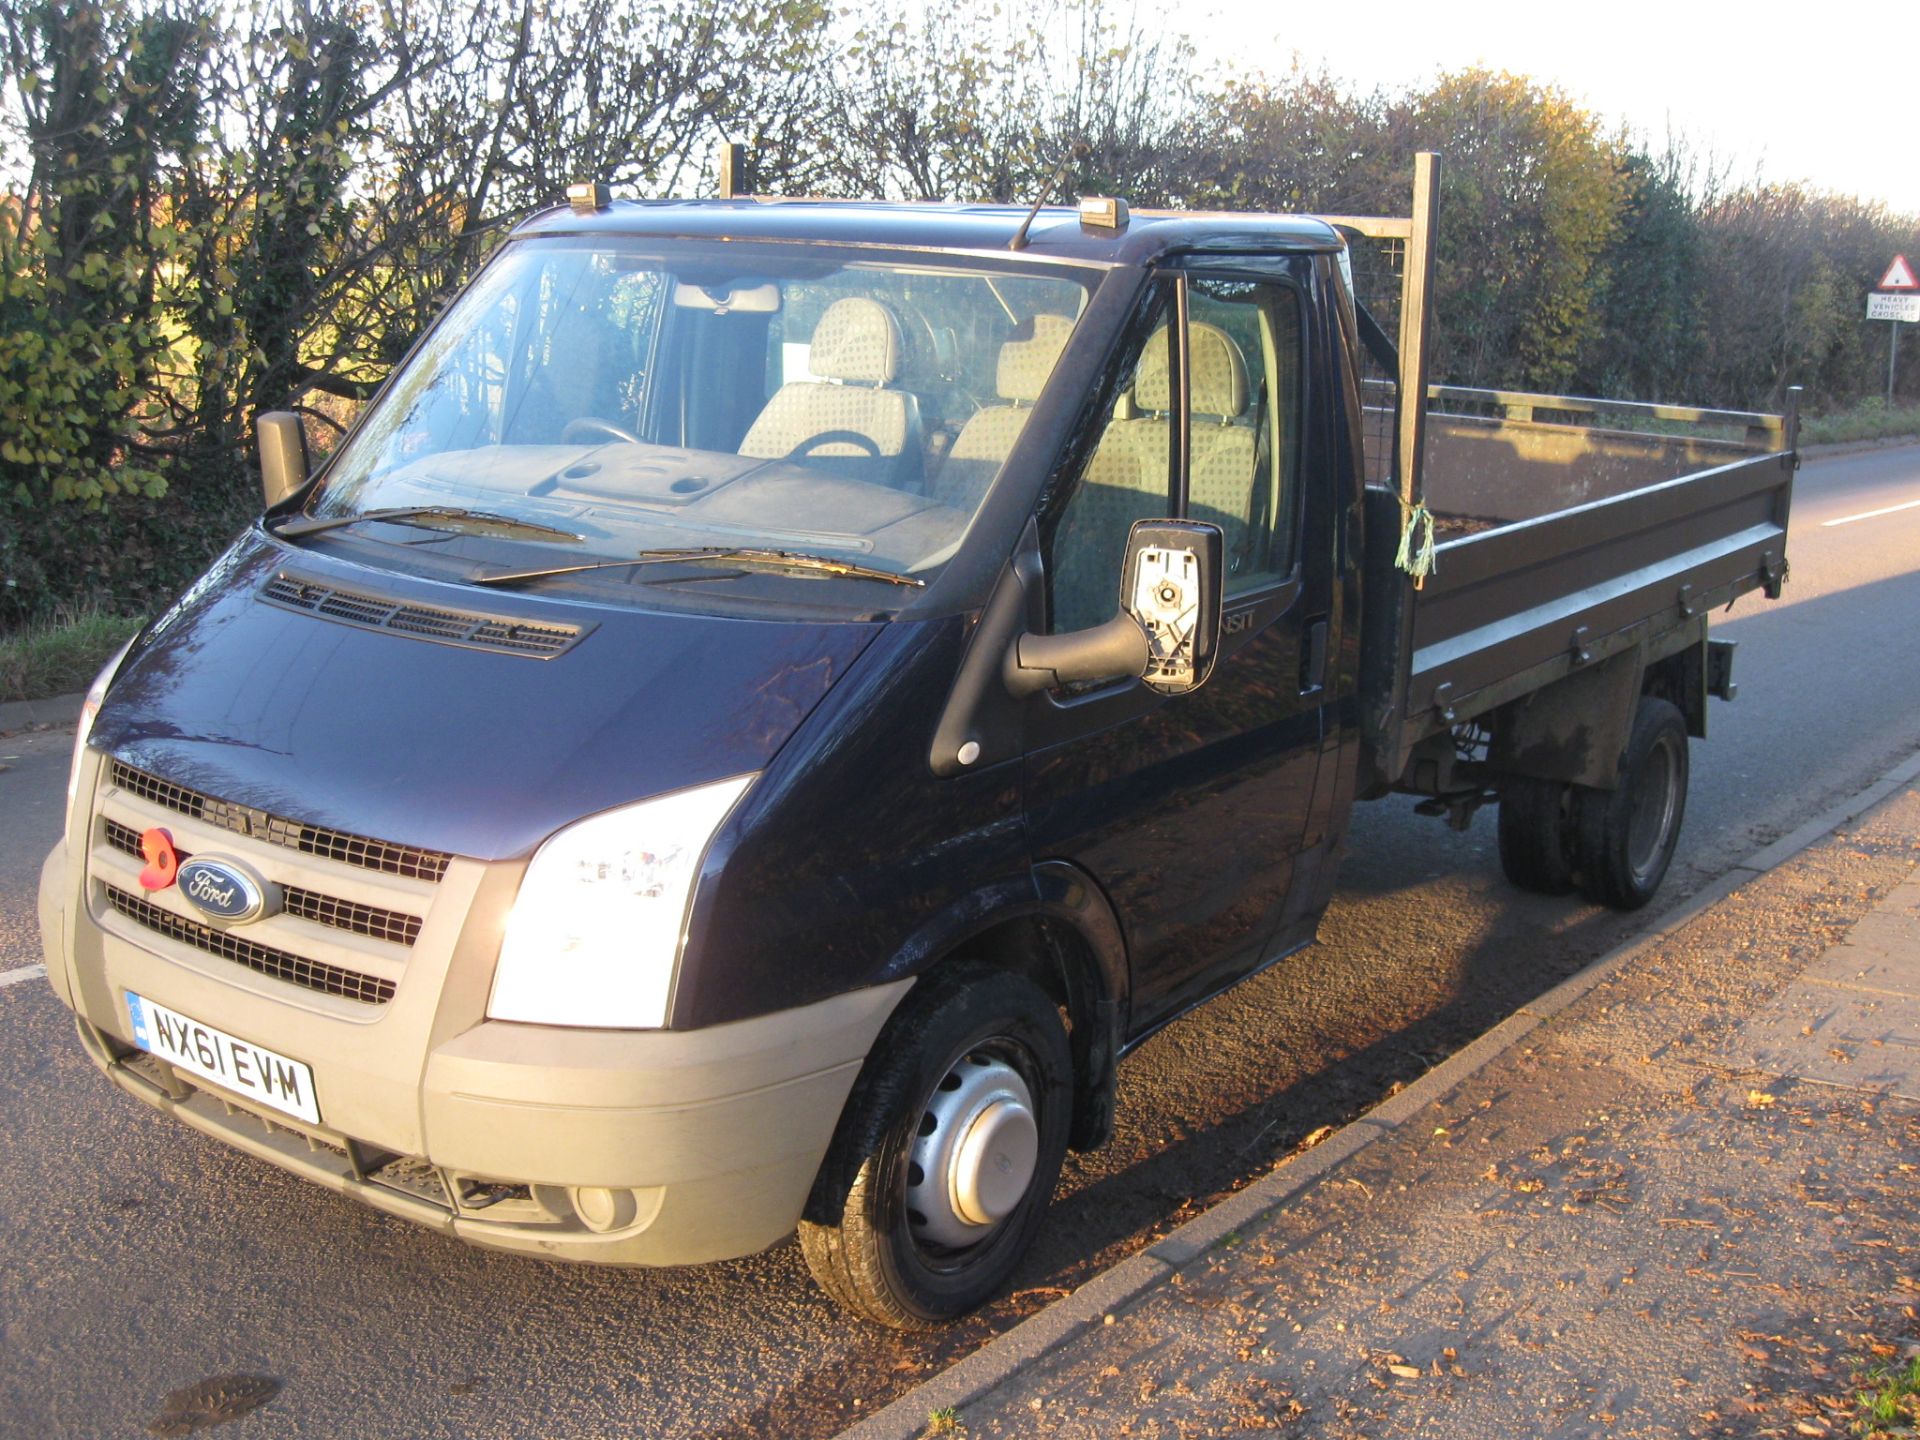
column 857, row 339
column 1025, row 364
column 1219, row 373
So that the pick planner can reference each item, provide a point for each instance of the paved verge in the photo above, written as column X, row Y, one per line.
column 1674, row 1196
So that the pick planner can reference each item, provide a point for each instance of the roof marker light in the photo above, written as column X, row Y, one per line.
column 587, row 196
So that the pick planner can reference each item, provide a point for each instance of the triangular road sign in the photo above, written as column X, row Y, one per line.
column 1899, row 276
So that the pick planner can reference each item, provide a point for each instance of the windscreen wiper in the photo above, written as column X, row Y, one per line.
column 424, row 515
column 777, row 559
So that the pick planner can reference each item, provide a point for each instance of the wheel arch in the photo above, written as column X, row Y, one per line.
column 1060, row 931
column 1681, row 678
column 1574, row 730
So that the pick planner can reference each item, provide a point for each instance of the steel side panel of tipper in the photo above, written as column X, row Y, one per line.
column 1511, row 610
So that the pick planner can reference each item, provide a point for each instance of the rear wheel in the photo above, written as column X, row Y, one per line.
column 947, row 1153
column 1535, row 842
column 1624, row 838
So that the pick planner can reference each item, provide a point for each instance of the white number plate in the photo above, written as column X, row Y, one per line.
column 252, row 1070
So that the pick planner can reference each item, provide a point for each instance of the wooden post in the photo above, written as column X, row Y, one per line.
column 1416, row 302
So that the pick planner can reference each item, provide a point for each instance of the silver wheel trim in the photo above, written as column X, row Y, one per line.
column 1655, row 799
column 975, row 1154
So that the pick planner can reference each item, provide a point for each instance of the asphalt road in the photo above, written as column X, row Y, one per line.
column 141, row 1258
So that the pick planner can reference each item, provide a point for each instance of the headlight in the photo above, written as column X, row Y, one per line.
column 89, row 709
column 594, row 936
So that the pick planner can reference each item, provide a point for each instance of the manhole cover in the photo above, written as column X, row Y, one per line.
column 212, row 1401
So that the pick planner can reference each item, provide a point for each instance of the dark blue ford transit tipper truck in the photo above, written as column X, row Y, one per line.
column 774, row 699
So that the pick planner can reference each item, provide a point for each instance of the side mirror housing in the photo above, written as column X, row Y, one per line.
column 1172, row 586
column 283, row 454
column 1167, row 628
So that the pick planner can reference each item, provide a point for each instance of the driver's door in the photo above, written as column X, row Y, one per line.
column 1189, row 809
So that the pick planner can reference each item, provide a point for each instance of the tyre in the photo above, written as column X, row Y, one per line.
column 1535, row 843
column 947, row 1153
column 1624, row 838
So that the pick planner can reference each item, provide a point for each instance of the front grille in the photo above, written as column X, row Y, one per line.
column 372, row 854
column 161, row 792
column 367, row 920
column 370, row 920
column 360, row 850
column 265, row 959
column 500, row 633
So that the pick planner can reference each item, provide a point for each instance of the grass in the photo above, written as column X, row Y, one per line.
column 944, row 1421
column 60, row 656
column 1890, row 1405
column 1869, row 420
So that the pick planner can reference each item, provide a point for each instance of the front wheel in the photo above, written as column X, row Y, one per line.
column 947, row 1153
column 1624, row 838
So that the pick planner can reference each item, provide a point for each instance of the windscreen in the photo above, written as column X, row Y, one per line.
column 812, row 401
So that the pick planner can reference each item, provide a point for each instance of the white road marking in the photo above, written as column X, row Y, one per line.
column 1872, row 514
column 25, row 972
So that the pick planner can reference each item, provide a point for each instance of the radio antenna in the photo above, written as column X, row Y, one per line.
column 1079, row 152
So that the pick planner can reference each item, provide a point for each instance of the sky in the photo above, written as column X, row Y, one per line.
column 1827, row 93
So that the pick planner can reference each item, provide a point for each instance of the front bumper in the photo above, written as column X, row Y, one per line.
column 53, row 919
column 612, row 1147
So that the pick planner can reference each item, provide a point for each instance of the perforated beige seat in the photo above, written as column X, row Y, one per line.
column 1220, row 480
column 849, row 416
column 1127, row 480
column 1123, row 483
column 1091, row 547
column 986, row 440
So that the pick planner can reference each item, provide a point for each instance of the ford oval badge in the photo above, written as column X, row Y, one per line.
column 224, row 891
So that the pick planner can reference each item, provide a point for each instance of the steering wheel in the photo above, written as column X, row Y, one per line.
column 836, row 437
column 584, row 425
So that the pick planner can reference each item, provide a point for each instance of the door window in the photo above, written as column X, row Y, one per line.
column 1244, row 365
column 1244, row 349
column 1129, row 478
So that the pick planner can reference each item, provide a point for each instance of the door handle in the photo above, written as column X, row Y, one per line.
column 1313, row 657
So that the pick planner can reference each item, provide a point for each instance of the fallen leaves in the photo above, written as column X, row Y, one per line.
column 210, row 1402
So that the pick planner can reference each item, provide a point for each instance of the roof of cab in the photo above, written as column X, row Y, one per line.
column 1056, row 234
